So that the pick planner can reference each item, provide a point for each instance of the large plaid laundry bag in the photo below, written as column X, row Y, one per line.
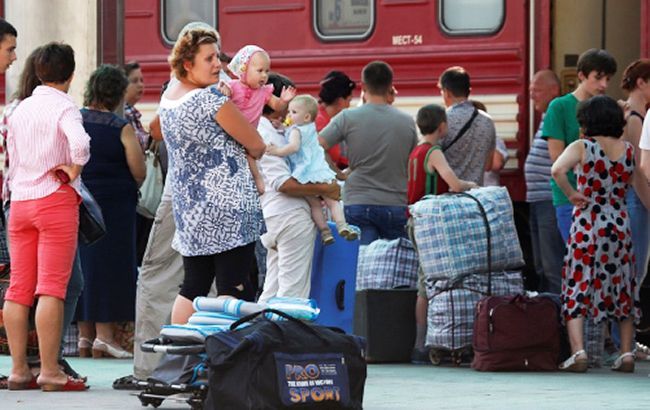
column 452, row 307
column 451, row 236
column 387, row 264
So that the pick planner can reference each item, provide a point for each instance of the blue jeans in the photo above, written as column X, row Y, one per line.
column 639, row 225
column 548, row 246
column 377, row 221
column 564, row 215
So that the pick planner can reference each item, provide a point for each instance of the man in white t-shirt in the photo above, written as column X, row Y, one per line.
column 291, row 232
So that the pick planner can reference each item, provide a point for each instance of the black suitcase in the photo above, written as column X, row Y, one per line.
column 386, row 318
column 283, row 365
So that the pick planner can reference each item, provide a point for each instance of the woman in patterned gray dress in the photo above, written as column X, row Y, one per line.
column 216, row 208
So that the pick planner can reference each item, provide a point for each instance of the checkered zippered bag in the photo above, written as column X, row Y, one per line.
column 387, row 264
column 451, row 236
column 452, row 307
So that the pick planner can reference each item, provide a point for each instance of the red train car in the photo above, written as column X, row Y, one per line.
column 500, row 42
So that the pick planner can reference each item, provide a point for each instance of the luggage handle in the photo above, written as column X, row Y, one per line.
column 488, row 234
column 164, row 345
column 282, row 314
column 339, row 294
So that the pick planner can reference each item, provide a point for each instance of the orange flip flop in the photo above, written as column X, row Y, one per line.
column 71, row 385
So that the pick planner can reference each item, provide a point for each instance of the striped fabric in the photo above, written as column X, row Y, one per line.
column 451, row 309
column 451, row 236
column 44, row 131
column 387, row 264
column 537, row 169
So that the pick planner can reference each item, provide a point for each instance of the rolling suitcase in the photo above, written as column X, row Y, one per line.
column 333, row 281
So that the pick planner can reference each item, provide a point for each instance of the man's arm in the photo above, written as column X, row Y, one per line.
column 294, row 188
column 555, row 148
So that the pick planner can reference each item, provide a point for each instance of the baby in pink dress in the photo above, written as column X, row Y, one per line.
column 250, row 92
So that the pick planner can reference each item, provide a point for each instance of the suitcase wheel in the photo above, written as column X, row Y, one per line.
column 435, row 357
column 145, row 401
column 457, row 358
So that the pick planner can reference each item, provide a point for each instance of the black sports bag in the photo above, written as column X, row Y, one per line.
column 284, row 365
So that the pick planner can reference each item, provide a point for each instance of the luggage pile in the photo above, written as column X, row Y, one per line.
column 468, row 248
column 452, row 309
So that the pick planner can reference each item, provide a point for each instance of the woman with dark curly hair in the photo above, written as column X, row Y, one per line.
column 115, row 171
column 598, row 277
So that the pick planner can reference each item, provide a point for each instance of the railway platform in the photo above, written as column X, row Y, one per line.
column 391, row 386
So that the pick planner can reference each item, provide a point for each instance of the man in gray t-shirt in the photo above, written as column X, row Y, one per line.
column 473, row 151
column 379, row 139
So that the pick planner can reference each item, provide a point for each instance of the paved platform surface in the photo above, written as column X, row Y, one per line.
column 392, row 386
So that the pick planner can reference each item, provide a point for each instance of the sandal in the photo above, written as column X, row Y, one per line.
column 620, row 365
column 326, row 236
column 641, row 352
column 70, row 385
column 24, row 385
column 127, row 383
column 575, row 363
column 67, row 369
column 85, row 346
column 346, row 231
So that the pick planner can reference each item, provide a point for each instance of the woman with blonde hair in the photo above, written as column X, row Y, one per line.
column 216, row 210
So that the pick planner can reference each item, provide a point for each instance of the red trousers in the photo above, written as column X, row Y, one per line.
column 42, row 245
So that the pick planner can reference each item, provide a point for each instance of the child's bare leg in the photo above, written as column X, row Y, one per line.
column 257, row 177
column 319, row 219
column 339, row 217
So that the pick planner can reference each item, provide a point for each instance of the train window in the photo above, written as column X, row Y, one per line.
column 471, row 16
column 175, row 14
column 343, row 19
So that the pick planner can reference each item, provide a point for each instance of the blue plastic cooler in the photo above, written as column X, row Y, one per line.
column 333, row 281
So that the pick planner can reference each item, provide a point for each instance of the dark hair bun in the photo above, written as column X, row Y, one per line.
column 336, row 84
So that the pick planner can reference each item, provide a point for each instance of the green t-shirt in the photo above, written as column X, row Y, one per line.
column 561, row 123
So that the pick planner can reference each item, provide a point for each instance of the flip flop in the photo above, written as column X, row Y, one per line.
column 28, row 385
column 70, row 385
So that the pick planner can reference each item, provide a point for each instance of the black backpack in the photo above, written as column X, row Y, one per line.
column 284, row 364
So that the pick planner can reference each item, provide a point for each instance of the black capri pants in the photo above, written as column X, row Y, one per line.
column 230, row 271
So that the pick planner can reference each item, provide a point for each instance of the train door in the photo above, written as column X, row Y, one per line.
column 578, row 25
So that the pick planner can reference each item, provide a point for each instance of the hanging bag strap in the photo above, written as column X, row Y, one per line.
column 488, row 234
column 462, row 130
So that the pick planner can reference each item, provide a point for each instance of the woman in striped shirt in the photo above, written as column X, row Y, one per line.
column 45, row 137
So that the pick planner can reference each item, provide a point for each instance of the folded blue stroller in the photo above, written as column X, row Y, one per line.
column 181, row 375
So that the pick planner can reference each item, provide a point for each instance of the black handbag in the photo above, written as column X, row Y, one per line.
column 284, row 364
column 91, row 222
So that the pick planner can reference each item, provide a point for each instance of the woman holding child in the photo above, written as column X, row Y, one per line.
column 216, row 207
